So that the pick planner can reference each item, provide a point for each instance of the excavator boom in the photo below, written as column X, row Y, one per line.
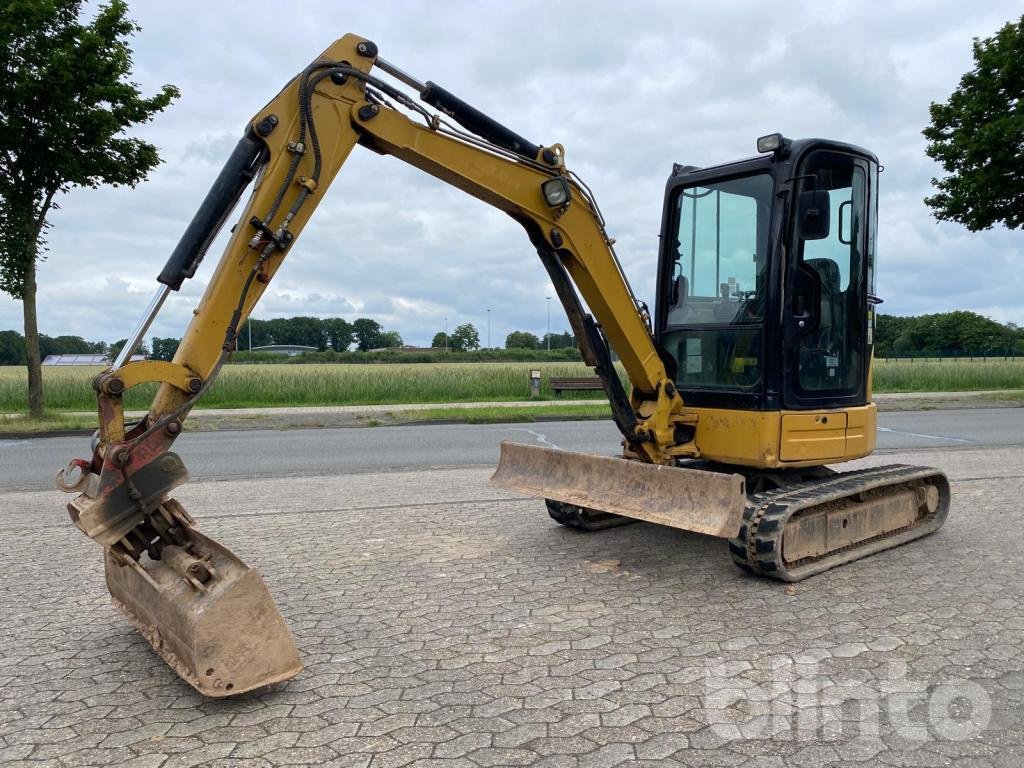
column 189, row 595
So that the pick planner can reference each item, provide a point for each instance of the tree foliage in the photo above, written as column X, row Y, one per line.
column 558, row 340
column 368, row 334
column 163, row 349
column 465, row 338
column 440, row 340
column 304, row 331
column 115, row 349
column 338, row 332
column 522, row 340
column 946, row 333
column 12, row 347
column 66, row 98
column 390, row 340
column 66, row 101
column 978, row 137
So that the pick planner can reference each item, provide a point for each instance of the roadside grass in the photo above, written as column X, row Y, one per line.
column 257, row 385
column 499, row 414
column 52, row 421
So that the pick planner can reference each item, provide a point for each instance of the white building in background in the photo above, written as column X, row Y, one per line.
column 291, row 350
column 83, row 359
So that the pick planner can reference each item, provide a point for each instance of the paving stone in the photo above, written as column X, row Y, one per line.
column 467, row 634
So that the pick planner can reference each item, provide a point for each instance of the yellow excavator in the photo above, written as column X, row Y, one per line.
column 753, row 374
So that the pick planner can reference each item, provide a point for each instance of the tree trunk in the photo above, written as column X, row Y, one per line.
column 34, row 224
column 35, row 371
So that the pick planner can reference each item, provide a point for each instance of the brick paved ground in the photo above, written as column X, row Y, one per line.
column 445, row 623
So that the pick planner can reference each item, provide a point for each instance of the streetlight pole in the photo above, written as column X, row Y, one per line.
column 549, row 322
column 446, row 334
column 488, row 329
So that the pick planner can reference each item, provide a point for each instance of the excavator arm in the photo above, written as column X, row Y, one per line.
column 187, row 593
column 298, row 143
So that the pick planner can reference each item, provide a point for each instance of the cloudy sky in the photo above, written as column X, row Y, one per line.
column 627, row 87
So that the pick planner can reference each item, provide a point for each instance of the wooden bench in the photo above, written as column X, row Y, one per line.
column 581, row 384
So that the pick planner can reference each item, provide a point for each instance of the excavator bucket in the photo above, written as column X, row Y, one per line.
column 693, row 500
column 207, row 613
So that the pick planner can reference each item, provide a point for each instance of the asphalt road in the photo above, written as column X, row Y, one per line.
column 32, row 463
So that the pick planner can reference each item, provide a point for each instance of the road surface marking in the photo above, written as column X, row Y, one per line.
column 928, row 437
column 542, row 439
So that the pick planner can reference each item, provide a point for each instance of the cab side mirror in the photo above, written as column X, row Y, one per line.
column 813, row 214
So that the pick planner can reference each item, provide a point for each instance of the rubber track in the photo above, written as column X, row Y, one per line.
column 572, row 516
column 758, row 547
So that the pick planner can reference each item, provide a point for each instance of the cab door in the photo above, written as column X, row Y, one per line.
column 825, row 318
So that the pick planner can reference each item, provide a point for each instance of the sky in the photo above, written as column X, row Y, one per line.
column 627, row 87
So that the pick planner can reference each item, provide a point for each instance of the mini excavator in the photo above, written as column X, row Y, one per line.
column 751, row 378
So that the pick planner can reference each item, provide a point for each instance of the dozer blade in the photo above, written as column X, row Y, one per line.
column 207, row 613
column 693, row 500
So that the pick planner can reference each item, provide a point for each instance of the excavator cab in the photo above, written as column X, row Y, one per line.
column 763, row 320
column 765, row 297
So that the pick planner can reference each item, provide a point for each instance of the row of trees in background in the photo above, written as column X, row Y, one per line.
column 948, row 333
column 527, row 340
column 466, row 338
column 322, row 333
column 12, row 347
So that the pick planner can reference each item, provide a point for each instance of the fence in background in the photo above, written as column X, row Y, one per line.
column 949, row 355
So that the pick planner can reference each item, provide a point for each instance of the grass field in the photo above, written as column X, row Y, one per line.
column 69, row 389
column 948, row 375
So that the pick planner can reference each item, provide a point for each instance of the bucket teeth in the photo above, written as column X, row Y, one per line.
column 207, row 613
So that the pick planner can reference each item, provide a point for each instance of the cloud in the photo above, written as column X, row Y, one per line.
column 628, row 88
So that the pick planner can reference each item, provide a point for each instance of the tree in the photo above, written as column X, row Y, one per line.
column 338, row 332
column 944, row 333
column 978, row 134
column 368, row 334
column 465, row 338
column 115, row 349
column 12, row 348
column 164, row 349
column 307, row 332
column 69, row 345
column 440, row 340
column 255, row 330
column 562, row 340
column 522, row 340
column 66, row 100
column 391, row 339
